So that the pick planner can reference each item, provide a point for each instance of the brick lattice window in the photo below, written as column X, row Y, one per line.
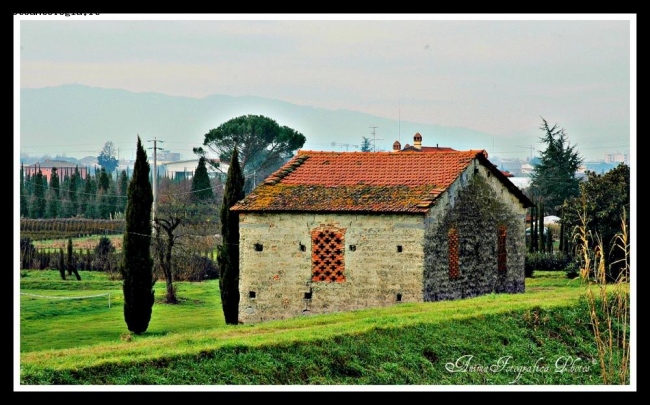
column 454, row 267
column 502, row 256
column 327, row 254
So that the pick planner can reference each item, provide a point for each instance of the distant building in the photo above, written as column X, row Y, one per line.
column 617, row 158
column 184, row 169
column 527, row 169
column 63, row 168
column 417, row 146
column 167, row 156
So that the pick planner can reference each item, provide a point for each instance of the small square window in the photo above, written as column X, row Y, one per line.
column 399, row 248
column 259, row 247
column 251, row 294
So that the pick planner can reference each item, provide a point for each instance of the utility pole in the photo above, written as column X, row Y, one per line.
column 155, row 178
column 374, row 139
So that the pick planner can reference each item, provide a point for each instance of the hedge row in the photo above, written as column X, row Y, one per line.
column 58, row 228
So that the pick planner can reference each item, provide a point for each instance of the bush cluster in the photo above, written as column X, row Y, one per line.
column 187, row 267
column 546, row 261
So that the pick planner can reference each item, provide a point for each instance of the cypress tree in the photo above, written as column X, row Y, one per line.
column 137, row 263
column 72, row 265
column 38, row 198
column 55, row 183
column 124, row 183
column 73, row 204
column 61, row 264
column 103, row 181
column 229, row 250
column 201, row 187
column 24, row 209
column 53, row 199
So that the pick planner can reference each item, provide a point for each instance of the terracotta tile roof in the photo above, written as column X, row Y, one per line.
column 359, row 182
column 47, row 164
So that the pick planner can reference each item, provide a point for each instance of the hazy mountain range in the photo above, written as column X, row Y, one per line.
column 77, row 120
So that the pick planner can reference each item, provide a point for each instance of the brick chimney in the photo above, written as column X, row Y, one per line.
column 417, row 141
column 397, row 146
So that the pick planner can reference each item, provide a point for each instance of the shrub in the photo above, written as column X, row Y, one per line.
column 545, row 261
column 27, row 253
column 104, row 255
column 196, row 268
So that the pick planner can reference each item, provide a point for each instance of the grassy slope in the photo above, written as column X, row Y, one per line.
column 406, row 344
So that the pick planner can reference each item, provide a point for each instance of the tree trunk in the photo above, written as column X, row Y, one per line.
column 170, row 298
column 540, row 227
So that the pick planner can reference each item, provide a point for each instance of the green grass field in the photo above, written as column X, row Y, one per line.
column 540, row 337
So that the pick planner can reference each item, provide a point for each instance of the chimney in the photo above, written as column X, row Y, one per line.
column 397, row 146
column 417, row 141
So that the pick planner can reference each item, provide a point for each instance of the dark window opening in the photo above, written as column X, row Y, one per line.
column 303, row 248
column 353, row 248
column 308, row 295
column 399, row 297
column 251, row 294
column 476, row 170
column 259, row 247
column 399, row 248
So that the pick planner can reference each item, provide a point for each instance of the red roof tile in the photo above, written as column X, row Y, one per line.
column 359, row 181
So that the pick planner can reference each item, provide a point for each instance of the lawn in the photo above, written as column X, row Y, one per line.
column 84, row 341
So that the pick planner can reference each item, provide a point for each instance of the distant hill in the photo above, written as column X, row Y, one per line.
column 77, row 120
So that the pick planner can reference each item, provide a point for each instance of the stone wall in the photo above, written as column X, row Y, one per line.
column 475, row 208
column 381, row 263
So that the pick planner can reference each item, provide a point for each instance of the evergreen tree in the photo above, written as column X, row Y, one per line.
column 73, row 185
column 72, row 265
column 229, row 251
column 366, row 145
column 606, row 198
column 103, row 180
column 55, row 185
column 553, row 179
column 61, row 264
column 24, row 208
column 38, row 198
column 124, row 183
column 137, row 264
column 87, row 198
column 201, row 187
column 263, row 145
column 53, row 199
column 107, row 159
column 29, row 185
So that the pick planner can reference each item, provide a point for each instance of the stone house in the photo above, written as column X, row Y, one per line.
column 340, row 231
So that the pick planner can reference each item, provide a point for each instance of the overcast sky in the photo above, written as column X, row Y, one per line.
column 492, row 73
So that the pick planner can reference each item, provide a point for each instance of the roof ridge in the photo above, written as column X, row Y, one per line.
column 329, row 152
column 287, row 168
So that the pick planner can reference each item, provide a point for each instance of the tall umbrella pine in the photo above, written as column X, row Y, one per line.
column 137, row 263
column 228, row 258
